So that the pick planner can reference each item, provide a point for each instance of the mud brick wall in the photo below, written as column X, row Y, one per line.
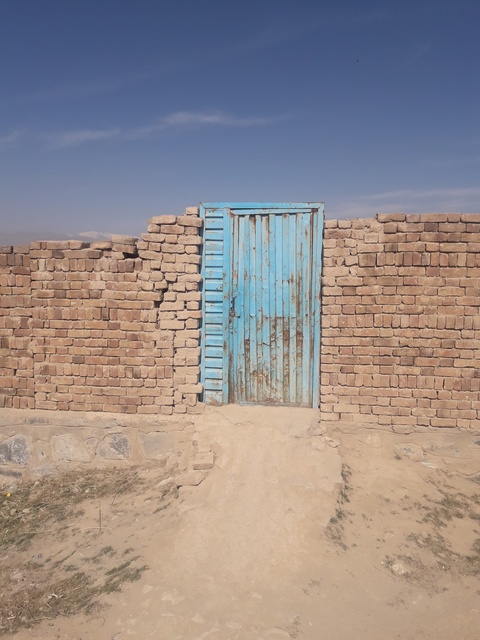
column 106, row 326
column 401, row 320
column 115, row 326
column 16, row 356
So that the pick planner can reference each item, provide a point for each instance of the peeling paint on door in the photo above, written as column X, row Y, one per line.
column 261, row 309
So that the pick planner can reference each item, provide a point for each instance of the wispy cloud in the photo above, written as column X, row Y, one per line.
column 178, row 120
column 197, row 119
column 75, row 138
column 408, row 201
column 10, row 139
column 191, row 118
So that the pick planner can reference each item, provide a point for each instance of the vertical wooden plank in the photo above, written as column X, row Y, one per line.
column 259, row 258
column 278, row 308
column 232, row 326
column 265, row 266
column 272, row 284
column 253, row 310
column 227, row 294
column 298, row 293
column 292, row 340
column 285, row 307
column 239, row 309
column 244, row 223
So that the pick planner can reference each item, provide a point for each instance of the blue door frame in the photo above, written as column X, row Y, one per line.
column 261, row 269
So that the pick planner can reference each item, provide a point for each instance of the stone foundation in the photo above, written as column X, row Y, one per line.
column 38, row 443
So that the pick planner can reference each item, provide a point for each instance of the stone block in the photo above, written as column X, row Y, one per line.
column 157, row 444
column 204, row 460
column 115, row 446
column 192, row 240
column 15, row 451
column 163, row 220
column 390, row 217
column 70, row 448
column 172, row 324
column 102, row 245
column 189, row 221
column 153, row 237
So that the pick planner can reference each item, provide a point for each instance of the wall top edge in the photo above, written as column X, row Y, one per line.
column 406, row 217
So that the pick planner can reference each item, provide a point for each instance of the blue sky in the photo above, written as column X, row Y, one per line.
column 114, row 111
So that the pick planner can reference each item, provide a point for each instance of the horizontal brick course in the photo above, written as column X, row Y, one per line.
column 400, row 314
column 115, row 326
column 82, row 325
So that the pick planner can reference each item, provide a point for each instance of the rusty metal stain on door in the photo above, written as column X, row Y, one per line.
column 261, row 307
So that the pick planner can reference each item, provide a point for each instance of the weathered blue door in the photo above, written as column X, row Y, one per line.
column 261, row 309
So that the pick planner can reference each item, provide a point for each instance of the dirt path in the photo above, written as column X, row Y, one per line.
column 301, row 531
column 244, row 533
column 249, row 528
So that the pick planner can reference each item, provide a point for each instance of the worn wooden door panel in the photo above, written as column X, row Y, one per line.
column 262, row 267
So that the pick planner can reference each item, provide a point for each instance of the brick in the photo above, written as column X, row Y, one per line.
column 159, row 220
column 153, row 237
column 189, row 221
column 172, row 324
column 453, row 247
column 148, row 255
column 172, row 229
column 191, row 240
column 172, row 248
column 428, row 217
column 390, row 217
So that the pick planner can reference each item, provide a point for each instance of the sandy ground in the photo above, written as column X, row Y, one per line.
column 301, row 530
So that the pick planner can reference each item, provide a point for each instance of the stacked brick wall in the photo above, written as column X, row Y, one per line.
column 115, row 326
column 16, row 356
column 401, row 320
column 107, row 326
